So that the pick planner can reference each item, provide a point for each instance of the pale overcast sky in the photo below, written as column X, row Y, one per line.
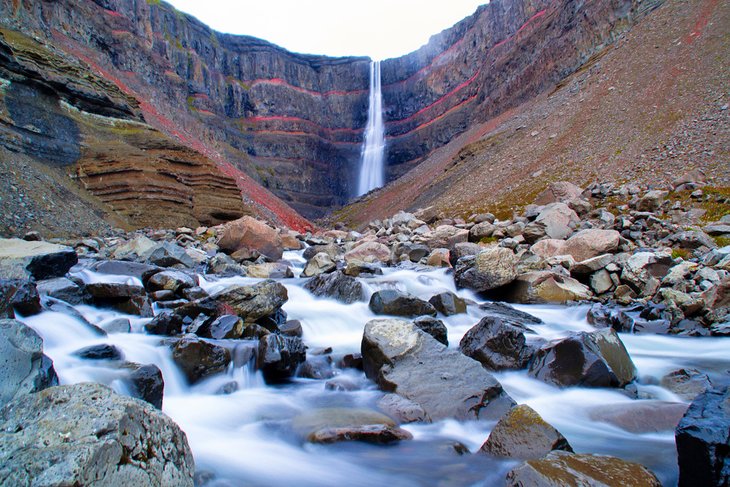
column 377, row 28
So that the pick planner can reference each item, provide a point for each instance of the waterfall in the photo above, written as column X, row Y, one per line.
column 373, row 148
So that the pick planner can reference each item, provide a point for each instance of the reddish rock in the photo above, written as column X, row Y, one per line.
column 249, row 233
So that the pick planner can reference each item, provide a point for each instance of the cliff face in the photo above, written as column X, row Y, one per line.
column 506, row 53
column 293, row 124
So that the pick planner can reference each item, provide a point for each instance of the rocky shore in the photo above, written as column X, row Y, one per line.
column 647, row 261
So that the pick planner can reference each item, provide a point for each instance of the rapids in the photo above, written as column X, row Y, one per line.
column 244, row 438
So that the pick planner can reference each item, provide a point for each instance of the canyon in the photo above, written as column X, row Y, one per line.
column 159, row 117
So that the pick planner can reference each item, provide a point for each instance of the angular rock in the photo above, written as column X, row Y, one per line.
column 168, row 254
column 18, row 295
column 439, row 258
column 523, row 434
column 368, row 253
column 199, row 359
column 446, row 236
column 433, row 327
column 545, row 287
column 481, row 230
column 20, row 259
column 643, row 267
column 167, row 324
column 510, row 315
column 279, row 356
column 175, row 281
column 558, row 219
column 249, row 233
column 591, row 243
column 25, row 369
column 559, row 468
column 497, row 345
column 137, row 249
column 321, row 263
column 652, row 200
column 253, row 302
column 686, row 383
column 489, row 269
column 85, row 434
column 448, row 303
column 595, row 359
column 402, row 359
column 336, row 285
column 397, row 303
column 146, row 383
column 222, row 328
column 63, row 289
column 270, row 270
column 703, row 441
column 559, row 191
column 117, row 325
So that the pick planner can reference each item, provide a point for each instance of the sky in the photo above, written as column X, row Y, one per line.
column 380, row 29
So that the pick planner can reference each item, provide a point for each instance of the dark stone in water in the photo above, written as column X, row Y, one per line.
column 146, row 383
column 279, row 357
column 448, row 303
column 319, row 367
column 352, row 361
column 223, row 327
column 396, row 303
column 18, row 295
column 292, row 328
column 336, row 285
column 100, row 352
column 703, row 440
column 199, row 359
column 497, row 345
column 166, row 324
column 375, row 433
column 433, row 327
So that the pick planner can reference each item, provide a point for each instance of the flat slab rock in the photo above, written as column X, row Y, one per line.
column 402, row 359
column 559, row 469
column 85, row 434
column 20, row 259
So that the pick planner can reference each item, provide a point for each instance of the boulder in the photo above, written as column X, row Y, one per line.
column 253, row 302
column 18, row 295
column 146, row 382
column 175, row 281
column 279, row 356
column 168, row 254
column 481, row 230
column 402, row 359
column 561, row 468
column 686, row 383
column 489, row 269
column 545, row 287
column 321, row 263
column 223, row 328
column 122, row 268
column 397, row 303
column 591, row 243
column 652, row 200
column 137, row 249
column 446, row 236
column 703, row 441
column 368, row 253
column 448, row 303
column 85, row 434
column 102, row 351
column 199, row 359
column 20, row 259
column 63, row 289
column 559, row 191
column 439, row 258
column 558, row 220
column 497, row 345
column 25, row 368
column 167, row 324
column 644, row 268
column 333, row 425
column 433, row 327
column 510, row 315
column 269, row 270
column 595, row 359
column 250, row 234
column 336, row 285
column 523, row 434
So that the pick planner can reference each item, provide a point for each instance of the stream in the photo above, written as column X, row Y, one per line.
column 245, row 438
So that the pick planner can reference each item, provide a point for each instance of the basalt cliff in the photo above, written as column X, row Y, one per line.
column 157, row 119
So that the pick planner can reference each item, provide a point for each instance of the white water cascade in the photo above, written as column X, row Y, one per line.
column 373, row 148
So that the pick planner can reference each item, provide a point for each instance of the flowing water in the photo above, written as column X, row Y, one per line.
column 373, row 149
column 244, row 438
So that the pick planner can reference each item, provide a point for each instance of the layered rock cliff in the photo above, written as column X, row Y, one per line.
column 268, row 118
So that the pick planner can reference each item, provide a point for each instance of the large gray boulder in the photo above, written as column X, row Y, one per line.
column 522, row 433
column 20, row 259
column 403, row 359
column 24, row 368
column 489, row 269
column 558, row 220
column 595, row 359
column 703, row 440
column 85, row 434
column 561, row 468
column 253, row 302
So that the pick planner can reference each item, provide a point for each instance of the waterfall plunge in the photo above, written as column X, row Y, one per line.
column 373, row 149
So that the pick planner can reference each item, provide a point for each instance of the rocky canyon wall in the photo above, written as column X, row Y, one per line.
column 292, row 123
